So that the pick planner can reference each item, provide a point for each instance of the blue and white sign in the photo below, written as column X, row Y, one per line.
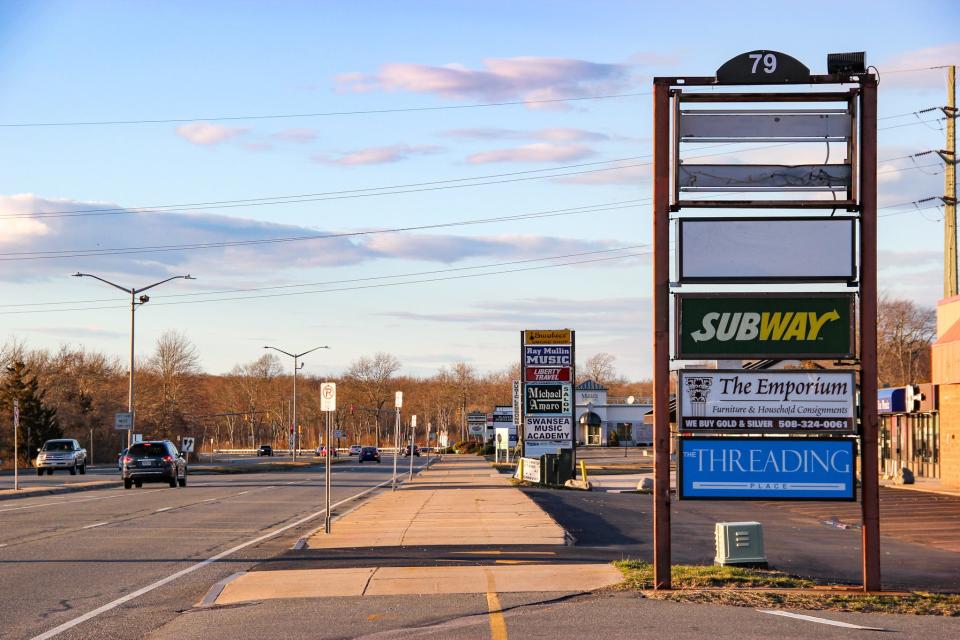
column 766, row 469
column 548, row 356
column 890, row 400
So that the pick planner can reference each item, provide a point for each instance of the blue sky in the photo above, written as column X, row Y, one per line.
column 107, row 61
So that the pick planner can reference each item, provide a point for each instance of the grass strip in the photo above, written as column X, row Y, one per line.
column 768, row 588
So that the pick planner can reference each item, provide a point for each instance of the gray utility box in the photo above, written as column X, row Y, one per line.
column 740, row 543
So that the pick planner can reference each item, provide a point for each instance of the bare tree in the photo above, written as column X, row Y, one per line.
column 372, row 376
column 599, row 368
column 905, row 333
column 171, row 383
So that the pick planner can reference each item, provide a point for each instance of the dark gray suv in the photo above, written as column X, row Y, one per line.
column 155, row 461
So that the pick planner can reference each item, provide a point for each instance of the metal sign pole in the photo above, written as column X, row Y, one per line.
column 326, row 443
column 396, row 447
column 16, row 450
column 661, row 336
column 869, row 465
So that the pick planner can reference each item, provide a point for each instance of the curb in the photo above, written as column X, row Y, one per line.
column 34, row 492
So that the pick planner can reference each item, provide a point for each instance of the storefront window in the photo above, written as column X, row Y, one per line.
column 624, row 431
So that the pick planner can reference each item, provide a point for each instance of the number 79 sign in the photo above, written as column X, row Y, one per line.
column 763, row 67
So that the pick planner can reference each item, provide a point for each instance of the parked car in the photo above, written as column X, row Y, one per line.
column 355, row 449
column 369, row 453
column 265, row 450
column 120, row 460
column 416, row 451
column 321, row 452
column 61, row 454
column 154, row 461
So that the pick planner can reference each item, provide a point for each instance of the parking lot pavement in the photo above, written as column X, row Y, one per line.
column 800, row 538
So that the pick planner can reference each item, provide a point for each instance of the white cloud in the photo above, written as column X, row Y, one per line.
column 921, row 60
column 380, row 155
column 152, row 233
column 537, row 152
column 527, row 78
column 298, row 135
column 206, row 133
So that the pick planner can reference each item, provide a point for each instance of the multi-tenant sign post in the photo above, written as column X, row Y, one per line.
column 547, row 396
column 808, row 287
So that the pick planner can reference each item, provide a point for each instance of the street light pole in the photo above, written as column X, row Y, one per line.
column 296, row 357
column 133, row 291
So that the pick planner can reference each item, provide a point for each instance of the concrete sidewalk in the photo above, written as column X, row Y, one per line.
column 460, row 502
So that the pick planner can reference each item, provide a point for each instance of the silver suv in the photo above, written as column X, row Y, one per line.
column 61, row 454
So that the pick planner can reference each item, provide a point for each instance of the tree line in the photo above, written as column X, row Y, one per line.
column 74, row 392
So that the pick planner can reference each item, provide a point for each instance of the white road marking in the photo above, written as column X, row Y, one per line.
column 163, row 509
column 209, row 499
column 58, row 502
column 241, row 493
column 93, row 526
column 835, row 623
column 3, row 545
column 179, row 574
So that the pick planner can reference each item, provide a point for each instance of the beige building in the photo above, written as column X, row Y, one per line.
column 946, row 374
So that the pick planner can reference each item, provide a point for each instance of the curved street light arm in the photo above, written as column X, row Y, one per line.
column 151, row 286
column 112, row 284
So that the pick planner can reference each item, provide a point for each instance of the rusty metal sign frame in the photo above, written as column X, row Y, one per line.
column 861, row 198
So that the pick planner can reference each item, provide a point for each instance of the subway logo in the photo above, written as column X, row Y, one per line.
column 764, row 325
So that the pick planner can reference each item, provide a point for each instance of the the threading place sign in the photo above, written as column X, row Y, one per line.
column 764, row 325
column 741, row 401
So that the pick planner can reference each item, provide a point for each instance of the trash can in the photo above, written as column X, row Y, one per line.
column 565, row 470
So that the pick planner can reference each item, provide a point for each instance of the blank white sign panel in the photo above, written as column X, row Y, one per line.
column 718, row 249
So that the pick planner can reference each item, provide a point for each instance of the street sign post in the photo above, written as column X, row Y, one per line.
column 328, row 405
column 122, row 420
column 16, row 450
column 397, row 404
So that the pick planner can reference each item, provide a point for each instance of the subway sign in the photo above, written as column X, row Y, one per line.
column 764, row 325
column 767, row 469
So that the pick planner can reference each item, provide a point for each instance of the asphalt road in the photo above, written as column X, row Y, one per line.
column 63, row 557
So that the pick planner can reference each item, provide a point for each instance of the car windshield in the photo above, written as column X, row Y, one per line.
column 148, row 449
column 58, row 445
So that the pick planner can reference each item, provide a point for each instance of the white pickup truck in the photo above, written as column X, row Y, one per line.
column 61, row 454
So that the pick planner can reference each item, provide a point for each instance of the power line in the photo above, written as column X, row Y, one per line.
column 595, row 208
column 414, row 187
column 75, row 253
column 320, row 114
column 353, row 288
column 330, row 282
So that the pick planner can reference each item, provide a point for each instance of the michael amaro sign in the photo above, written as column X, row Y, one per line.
column 742, row 401
column 766, row 469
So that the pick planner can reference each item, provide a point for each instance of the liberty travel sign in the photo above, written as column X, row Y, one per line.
column 764, row 325
column 740, row 401
column 767, row 469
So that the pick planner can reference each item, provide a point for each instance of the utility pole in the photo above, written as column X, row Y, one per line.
column 398, row 403
column 950, row 189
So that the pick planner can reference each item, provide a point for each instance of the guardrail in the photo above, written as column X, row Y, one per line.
column 343, row 450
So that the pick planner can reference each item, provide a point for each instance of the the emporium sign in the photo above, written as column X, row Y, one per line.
column 765, row 469
column 764, row 325
column 739, row 401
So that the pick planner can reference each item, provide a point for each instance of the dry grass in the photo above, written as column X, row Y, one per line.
column 765, row 588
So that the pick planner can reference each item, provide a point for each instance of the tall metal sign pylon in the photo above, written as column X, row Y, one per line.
column 799, row 282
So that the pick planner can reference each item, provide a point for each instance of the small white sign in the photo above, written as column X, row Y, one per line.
column 328, row 396
column 531, row 469
column 136, row 437
column 122, row 420
column 503, row 438
column 186, row 445
column 16, row 413
column 517, row 402
column 413, row 421
column 398, row 400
